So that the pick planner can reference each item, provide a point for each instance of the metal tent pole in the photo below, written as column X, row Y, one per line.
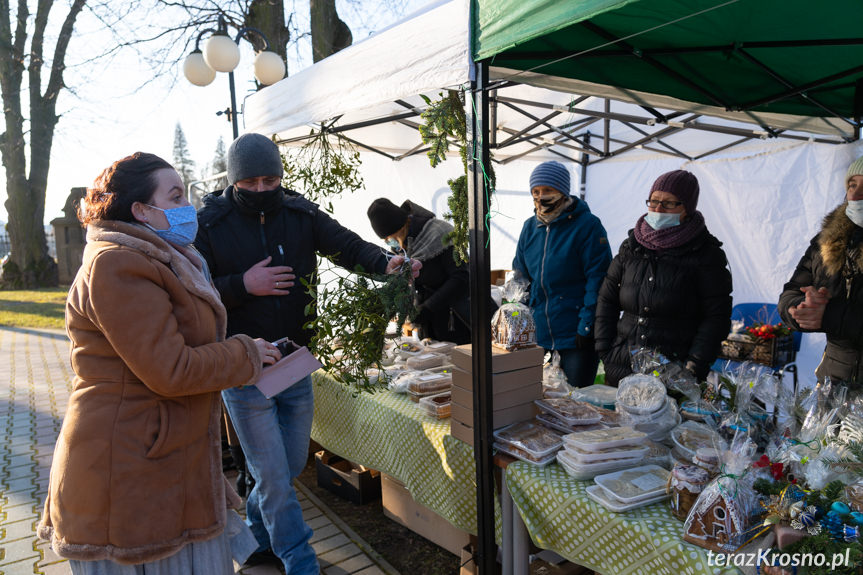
column 477, row 112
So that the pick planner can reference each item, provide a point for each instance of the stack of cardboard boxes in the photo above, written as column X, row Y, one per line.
column 516, row 383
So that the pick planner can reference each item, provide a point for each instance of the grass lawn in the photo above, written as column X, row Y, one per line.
column 42, row 308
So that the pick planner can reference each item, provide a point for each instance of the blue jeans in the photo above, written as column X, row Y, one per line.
column 274, row 434
column 579, row 366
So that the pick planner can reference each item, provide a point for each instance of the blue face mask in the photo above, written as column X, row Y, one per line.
column 854, row 211
column 394, row 244
column 183, row 224
column 660, row 220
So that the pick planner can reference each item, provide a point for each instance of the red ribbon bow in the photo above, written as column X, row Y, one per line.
column 775, row 468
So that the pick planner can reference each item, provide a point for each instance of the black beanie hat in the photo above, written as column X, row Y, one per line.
column 251, row 156
column 386, row 217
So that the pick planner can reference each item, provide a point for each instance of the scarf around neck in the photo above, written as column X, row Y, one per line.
column 668, row 238
column 431, row 241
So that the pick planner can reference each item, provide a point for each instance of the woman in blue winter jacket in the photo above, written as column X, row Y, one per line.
column 563, row 251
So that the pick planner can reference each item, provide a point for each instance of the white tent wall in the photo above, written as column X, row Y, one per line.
column 764, row 201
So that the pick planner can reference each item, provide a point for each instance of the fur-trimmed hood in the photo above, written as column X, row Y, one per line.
column 833, row 240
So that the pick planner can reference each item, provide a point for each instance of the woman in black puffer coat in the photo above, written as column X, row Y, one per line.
column 671, row 282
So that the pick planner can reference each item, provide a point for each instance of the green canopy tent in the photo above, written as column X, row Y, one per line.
column 789, row 69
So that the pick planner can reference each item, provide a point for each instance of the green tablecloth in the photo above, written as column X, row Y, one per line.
column 388, row 432
column 560, row 516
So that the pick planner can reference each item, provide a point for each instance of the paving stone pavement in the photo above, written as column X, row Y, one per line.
column 35, row 380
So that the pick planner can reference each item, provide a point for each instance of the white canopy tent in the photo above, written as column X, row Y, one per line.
column 764, row 198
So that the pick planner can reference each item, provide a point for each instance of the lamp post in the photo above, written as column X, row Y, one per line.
column 221, row 54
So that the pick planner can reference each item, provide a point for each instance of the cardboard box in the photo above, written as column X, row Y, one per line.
column 501, row 382
column 501, row 417
column 347, row 480
column 461, row 431
column 501, row 360
column 498, row 277
column 524, row 394
column 400, row 507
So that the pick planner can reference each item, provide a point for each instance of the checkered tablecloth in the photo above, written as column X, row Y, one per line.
column 560, row 516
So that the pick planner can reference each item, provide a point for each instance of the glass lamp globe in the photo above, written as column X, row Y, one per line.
column 269, row 68
column 221, row 53
column 196, row 70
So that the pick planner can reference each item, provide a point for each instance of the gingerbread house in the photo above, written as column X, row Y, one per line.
column 716, row 521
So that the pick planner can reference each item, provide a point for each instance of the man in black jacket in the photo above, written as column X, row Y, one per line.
column 257, row 238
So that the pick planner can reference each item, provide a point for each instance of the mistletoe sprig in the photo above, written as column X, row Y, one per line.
column 353, row 311
column 322, row 169
column 445, row 124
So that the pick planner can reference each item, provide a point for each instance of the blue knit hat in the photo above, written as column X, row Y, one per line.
column 551, row 174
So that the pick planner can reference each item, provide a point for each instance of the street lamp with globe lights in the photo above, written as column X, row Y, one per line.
column 221, row 54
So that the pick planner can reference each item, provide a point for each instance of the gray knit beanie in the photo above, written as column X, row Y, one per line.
column 251, row 156
column 551, row 174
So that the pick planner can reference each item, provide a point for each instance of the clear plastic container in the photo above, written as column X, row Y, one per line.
column 624, row 452
column 599, row 439
column 442, row 347
column 524, row 455
column 585, row 471
column 690, row 436
column 529, row 436
column 445, row 369
column 438, row 405
column 406, row 348
column 602, row 497
column 598, row 395
column 635, row 485
column 570, row 411
column 426, row 360
column 556, row 424
column 640, row 394
column 429, row 383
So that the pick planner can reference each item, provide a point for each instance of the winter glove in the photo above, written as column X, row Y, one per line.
column 584, row 342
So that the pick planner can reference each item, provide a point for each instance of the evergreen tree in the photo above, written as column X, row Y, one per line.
column 183, row 163
column 219, row 166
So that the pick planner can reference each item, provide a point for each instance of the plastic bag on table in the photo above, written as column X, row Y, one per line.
column 672, row 373
column 732, row 488
column 400, row 382
column 512, row 326
column 554, row 379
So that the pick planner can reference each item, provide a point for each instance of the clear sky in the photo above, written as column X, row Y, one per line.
column 114, row 112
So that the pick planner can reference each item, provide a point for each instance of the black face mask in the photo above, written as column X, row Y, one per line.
column 259, row 201
column 549, row 205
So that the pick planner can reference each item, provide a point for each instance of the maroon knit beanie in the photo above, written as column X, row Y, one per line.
column 683, row 184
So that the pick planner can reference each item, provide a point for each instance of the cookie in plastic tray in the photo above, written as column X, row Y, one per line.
column 601, row 496
column 524, row 455
column 584, row 471
column 609, row 417
column 598, row 439
column 408, row 347
column 438, row 405
column 530, row 437
column 570, row 411
column 559, row 425
column 425, row 360
column 641, row 394
column 634, row 485
column 426, row 383
column 634, row 452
